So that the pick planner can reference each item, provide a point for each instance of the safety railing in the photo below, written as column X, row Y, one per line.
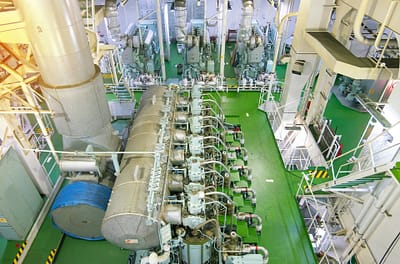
column 300, row 159
column 328, row 140
column 373, row 157
column 274, row 114
column 315, row 218
column 88, row 14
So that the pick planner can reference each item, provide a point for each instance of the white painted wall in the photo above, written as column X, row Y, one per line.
column 383, row 229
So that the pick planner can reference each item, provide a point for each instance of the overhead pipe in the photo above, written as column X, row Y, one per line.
column 166, row 29
column 246, row 19
column 130, row 221
column 398, row 45
column 223, row 41
column 160, row 39
column 205, row 23
column 279, row 39
column 180, row 20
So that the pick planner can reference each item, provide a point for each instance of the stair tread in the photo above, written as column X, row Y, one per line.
column 396, row 171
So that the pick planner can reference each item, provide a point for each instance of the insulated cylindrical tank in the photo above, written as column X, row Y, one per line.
column 79, row 209
column 125, row 223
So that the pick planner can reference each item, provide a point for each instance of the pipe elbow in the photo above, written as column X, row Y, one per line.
column 264, row 251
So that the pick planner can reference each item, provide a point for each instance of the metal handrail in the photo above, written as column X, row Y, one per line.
column 358, row 161
column 317, row 208
column 353, row 161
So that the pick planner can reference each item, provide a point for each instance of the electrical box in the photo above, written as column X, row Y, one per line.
column 20, row 202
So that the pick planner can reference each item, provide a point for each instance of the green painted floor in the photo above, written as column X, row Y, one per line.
column 346, row 122
column 283, row 229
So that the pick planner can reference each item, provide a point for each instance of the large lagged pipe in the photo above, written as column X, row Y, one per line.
column 69, row 79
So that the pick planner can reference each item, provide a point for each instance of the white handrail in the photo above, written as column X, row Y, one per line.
column 359, row 147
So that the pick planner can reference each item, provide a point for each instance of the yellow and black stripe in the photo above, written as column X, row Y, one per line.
column 51, row 256
column 19, row 253
column 319, row 174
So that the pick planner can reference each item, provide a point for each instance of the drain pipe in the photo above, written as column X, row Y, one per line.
column 250, row 248
column 247, row 190
column 249, row 217
column 279, row 39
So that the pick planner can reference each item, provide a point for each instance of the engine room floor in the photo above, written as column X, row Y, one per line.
column 283, row 231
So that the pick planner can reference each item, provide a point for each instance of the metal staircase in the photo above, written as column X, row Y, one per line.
column 355, row 178
column 395, row 172
column 88, row 14
column 121, row 92
column 375, row 160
